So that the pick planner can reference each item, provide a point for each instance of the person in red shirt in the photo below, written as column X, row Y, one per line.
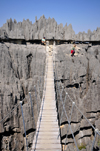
column 73, row 51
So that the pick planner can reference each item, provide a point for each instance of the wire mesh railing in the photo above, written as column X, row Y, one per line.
column 42, row 103
column 60, row 89
column 39, row 106
column 29, row 99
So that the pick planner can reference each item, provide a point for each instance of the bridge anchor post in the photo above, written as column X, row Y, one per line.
column 24, row 125
column 96, row 131
column 32, row 109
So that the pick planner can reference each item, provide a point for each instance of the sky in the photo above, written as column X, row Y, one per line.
column 82, row 14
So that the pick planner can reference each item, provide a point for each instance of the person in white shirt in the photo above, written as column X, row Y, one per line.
column 43, row 41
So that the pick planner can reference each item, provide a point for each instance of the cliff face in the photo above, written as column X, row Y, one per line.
column 44, row 27
column 21, row 68
column 80, row 77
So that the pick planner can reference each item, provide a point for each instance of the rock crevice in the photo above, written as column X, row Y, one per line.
column 79, row 76
column 22, row 67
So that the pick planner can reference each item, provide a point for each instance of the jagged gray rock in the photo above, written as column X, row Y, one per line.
column 3, row 34
column 45, row 27
column 79, row 76
column 22, row 67
column 69, row 34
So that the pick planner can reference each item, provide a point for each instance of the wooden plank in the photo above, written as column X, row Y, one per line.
column 46, row 149
column 49, row 122
column 48, row 146
column 47, row 137
column 49, row 117
column 44, row 126
column 49, row 133
column 49, row 114
column 50, row 103
column 51, row 141
column 47, row 129
column 49, row 108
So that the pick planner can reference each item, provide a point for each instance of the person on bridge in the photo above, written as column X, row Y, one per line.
column 73, row 51
column 43, row 41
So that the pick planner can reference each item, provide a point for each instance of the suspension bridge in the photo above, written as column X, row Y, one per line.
column 47, row 135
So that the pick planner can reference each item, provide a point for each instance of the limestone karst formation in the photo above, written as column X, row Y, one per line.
column 79, row 77
column 22, row 70
column 44, row 27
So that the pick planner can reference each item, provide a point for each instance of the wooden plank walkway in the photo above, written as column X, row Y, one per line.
column 46, row 138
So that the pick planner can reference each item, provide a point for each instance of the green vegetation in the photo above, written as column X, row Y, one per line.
column 98, row 142
column 82, row 146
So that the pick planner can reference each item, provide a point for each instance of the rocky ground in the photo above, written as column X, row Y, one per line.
column 80, row 77
column 22, row 69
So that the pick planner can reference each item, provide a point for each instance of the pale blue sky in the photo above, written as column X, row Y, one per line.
column 82, row 14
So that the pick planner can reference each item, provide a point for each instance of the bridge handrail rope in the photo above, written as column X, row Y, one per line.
column 24, row 125
column 10, row 112
column 43, row 98
column 21, row 102
column 69, row 121
column 21, row 105
column 61, row 101
column 73, row 104
column 36, row 99
column 83, row 114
